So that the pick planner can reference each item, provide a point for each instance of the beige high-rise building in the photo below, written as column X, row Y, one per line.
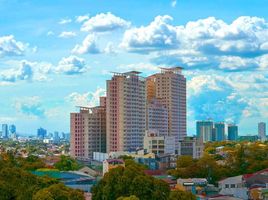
column 157, row 117
column 88, row 131
column 169, row 86
column 126, row 112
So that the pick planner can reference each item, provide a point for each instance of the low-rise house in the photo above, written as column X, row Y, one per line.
column 193, row 185
column 233, row 186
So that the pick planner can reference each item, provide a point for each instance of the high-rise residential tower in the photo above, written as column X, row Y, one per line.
column 157, row 117
column 169, row 87
column 219, row 131
column 88, row 131
column 262, row 131
column 204, row 130
column 232, row 132
column 126, row 112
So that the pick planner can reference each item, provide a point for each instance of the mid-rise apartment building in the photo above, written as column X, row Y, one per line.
column 191, row 146
column 88, row 131
column 159, row 145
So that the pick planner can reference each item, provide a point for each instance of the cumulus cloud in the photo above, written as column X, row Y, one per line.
column 9, row 46
column 65, row 21
column 88, row 46
column 81, row 18
column 89, row 99
column 104, row 22
column 26, row 71
column 158, row 35
column 110, row 49
column 206, row 43
column 71, row 65
column 30, row 106
column 67, row 34
column 228, row 97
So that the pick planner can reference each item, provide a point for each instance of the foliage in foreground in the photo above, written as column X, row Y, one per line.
column 130, row 183
column 17, row 183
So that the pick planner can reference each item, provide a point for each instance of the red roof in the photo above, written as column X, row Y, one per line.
column 246, row 176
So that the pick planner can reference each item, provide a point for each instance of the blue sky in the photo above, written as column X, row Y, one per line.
column 55, row 55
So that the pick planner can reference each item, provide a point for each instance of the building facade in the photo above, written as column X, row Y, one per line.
column 5, row 131
column 262, row 131
column 159, row 145
column 41, row 133
column 157, row 117
column 219, row 128
column 190, row 146
column 126, row 112
column 204, row 130
column 169, row 86
column 232, row 132
column 88, row 132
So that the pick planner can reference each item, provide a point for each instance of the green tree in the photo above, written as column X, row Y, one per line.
column 58, row 191
column 132, row 197
column 131, row 180
column 181, row 195
column 66, row 163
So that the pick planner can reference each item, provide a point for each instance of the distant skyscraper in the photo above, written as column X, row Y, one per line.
column 232, row 132
column 126, row 112
column 204, row 130
column 169, row 86
column 219, row 131
column 4, row 130
column 56, row 137
column 41, row 133
column 88, row 132
column 12, row 131
column 262, row 131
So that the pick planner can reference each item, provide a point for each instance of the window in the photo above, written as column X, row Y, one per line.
column 226, row 186
column 232, row 185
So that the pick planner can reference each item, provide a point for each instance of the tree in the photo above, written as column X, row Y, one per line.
column 66, row 163
column 58, row 191
column 181, row 195
column 131, row 180
column 132, row 197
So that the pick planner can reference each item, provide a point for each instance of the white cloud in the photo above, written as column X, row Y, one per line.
column 65, row 21
column 158, row 35
column 173, row 3
column 110, row 49
column 88, row 46
column 50, row 33
column 30, row 107
column 67, row 34
column 89, row 99
column 142, row 67
column 82, row 18
column 26, row 71
column 11, row 47
column 71, row 65
column 104, row 22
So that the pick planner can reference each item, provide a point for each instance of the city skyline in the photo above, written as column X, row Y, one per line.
column 55, row 56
